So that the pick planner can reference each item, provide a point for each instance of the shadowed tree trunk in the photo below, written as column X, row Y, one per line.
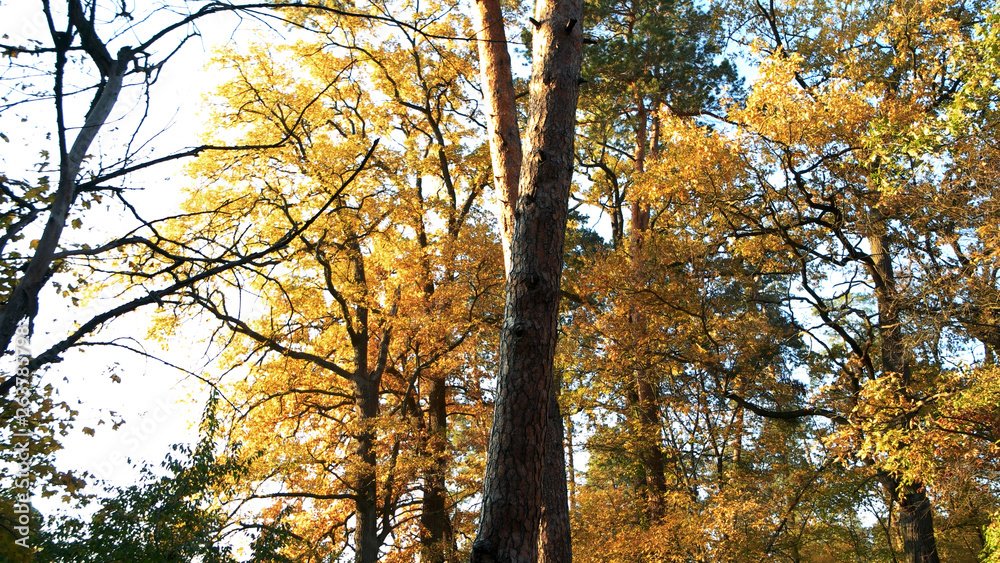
column 520, row 440
column 647, row 401
column 555, row 535
column 437, row 537
column 366, row 387
column 367, row 542
column 916, row 515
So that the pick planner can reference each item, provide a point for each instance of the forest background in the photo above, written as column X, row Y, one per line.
column 781, row 345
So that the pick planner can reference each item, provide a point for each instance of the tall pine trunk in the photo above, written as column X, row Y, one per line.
column 520, row 438
column 647, row 407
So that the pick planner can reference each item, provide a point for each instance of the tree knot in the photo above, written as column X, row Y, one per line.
column 482, row 552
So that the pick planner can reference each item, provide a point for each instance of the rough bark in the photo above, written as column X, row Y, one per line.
column 501, row 115
column 437, row 536
column 512, row 488
column 555, row 535
column 916, row 525
column 915, row 522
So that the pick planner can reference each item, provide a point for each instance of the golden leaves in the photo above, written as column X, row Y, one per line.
column 332, row 344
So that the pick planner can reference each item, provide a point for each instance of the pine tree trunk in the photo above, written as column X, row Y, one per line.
column 504, row 137
column 515, row 468
column 651, row 452
column 555, row 535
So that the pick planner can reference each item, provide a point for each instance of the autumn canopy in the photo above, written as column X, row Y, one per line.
column 605, row 281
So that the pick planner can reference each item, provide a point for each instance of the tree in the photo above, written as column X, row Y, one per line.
column 165, row 518
column 737, row 487
column 75, row 52
column 364, row 352
column 794, row 320
column 86, row 180
column 832, row 170
column 27, row 201
column 646, row 58
column 525, row 448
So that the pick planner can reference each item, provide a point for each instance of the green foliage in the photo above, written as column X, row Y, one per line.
column 34, row 421
column 670, row 49
column 991, row 535
column 171, row 515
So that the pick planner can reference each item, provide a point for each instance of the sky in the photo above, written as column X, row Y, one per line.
column 159, row 405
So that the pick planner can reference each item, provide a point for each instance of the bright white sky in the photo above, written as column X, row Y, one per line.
column 160, row 405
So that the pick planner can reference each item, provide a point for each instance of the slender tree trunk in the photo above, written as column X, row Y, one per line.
column 651, row 451
column 512, row 489
column 570, row 462
column 366, row 388
column 555, row 535
column 437, row 536
column 916, row 515
column 501, row 115
column 22, row 303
